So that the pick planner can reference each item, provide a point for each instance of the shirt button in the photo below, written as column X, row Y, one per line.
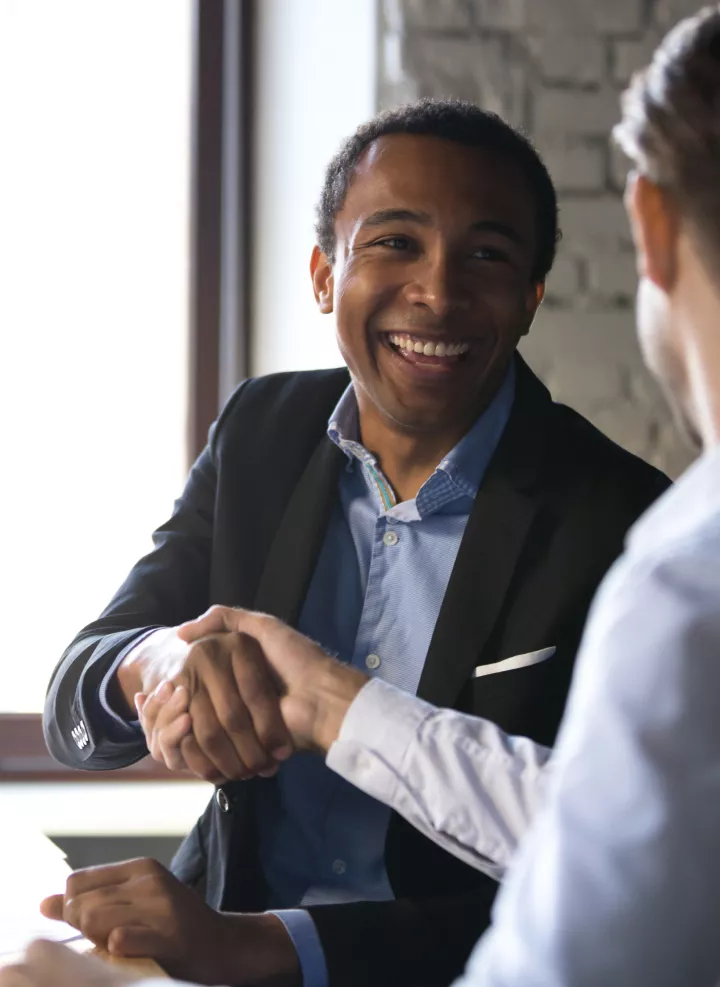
column 390, row 538
column 373, row 661
column 339, row 867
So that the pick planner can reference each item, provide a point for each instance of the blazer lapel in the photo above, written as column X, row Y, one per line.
column 497, row 528
column 294, row 551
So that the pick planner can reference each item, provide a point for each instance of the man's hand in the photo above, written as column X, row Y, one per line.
column 221, row 717
column 138, row 908
column 316, row 689
column 50, row 964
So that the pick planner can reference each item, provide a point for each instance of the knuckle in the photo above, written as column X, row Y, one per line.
column 208, row 738
column 71, row 885
column 257, row 690
column 80, row 918
column 272, row 735
column 146, row 865
column 234, row 718
column 257, row 761
column 121, row 939
column 256, row 693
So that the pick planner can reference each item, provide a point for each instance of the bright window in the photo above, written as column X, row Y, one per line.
column 95, row 104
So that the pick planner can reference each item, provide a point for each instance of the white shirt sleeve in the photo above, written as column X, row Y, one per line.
column 619, row 880
column 162, row 982
column 457, row 778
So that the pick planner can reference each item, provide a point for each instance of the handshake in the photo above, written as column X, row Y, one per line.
column 233, row 694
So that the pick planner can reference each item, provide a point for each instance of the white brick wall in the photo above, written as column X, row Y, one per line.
column 557, row 68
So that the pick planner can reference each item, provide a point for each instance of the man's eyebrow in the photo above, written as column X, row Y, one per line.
column 383, row 216
column 504, row 229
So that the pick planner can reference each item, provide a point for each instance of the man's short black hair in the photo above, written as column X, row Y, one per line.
column 455, row 120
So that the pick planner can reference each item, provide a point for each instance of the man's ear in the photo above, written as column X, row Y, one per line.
column 534, row 297
column 654, row 223
column 321, row 272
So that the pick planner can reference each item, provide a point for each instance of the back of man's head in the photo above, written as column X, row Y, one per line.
column 671, row 123
column 454, row 120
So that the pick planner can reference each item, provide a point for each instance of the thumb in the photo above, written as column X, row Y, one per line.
column 53, row 907
column 213, row 621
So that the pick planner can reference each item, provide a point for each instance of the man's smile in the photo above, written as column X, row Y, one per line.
column 424, row 353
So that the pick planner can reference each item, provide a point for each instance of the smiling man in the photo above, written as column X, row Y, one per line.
column 432, row 518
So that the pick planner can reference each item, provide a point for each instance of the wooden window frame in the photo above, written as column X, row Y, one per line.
column 219, row 302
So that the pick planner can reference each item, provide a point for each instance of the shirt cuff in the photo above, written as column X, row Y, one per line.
column 102, row 713
column 380, row 718
column 304, row 935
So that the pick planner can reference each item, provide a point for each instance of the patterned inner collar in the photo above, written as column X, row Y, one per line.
column 464, row 465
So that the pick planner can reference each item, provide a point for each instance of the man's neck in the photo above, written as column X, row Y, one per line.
column 407, row 458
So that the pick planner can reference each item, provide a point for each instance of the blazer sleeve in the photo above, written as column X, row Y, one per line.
column 165, row 588
column 406, row 942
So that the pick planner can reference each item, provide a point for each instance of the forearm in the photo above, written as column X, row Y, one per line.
column 459, row 779
column 74, row 698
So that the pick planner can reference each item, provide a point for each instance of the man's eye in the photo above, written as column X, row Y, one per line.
column 489, row 253
column 395, row 242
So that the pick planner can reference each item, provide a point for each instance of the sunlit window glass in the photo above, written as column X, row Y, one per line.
column 95, row 102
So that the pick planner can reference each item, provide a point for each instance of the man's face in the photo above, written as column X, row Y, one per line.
column 431, row 286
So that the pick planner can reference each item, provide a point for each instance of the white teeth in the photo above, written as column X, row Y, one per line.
column 410, row 345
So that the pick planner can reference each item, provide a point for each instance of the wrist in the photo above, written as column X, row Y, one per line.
column 129, row 681
column 256, row 949
column 336, row 688
column 155, row 657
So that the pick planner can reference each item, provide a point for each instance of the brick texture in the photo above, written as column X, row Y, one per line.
column 556, row 68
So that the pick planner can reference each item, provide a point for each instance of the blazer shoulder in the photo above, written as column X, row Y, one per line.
column 295, row 399
column 607, row 466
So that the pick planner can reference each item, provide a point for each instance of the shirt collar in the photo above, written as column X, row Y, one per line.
column 465, row 464
column 683, row 509
column 344, row 426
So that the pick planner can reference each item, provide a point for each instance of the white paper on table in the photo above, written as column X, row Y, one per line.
column 31, row 868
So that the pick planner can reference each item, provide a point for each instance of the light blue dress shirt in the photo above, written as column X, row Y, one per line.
column 373, row 601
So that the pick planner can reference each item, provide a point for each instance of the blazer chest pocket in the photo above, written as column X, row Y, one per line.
column 511, row 664
column 524, row 695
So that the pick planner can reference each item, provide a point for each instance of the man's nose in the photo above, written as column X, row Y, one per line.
column 437, row 284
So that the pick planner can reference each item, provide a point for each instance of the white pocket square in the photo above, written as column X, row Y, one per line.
column 517, row 661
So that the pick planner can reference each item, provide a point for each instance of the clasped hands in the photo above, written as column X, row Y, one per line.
column 227, row 696
column 235, row 693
